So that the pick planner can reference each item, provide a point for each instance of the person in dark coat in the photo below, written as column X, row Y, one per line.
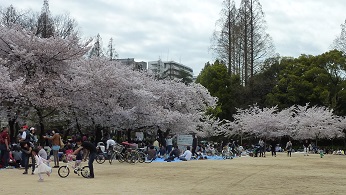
column 92, row 153
column 273, row 147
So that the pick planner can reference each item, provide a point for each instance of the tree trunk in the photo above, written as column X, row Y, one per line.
column 78, row 127
column 129, row 135
column 42, row 130
column 13, row 134
column 245, row 47
column 98, row 134
column 229, row 41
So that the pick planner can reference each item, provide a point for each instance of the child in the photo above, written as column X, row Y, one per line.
column 41, row 166
column 79, row 158
column 68, row 153
column 321, row 153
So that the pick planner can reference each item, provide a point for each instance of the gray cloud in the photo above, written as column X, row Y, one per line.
column 180, row 30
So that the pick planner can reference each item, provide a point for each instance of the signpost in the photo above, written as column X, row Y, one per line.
column 183, row 141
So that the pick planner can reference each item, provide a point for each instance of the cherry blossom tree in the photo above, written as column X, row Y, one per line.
column 8, row 87
column 298, row 122
column 128, row 99
column 56, row 82
column 42, row 65
column 266, row 123
column 316, row 123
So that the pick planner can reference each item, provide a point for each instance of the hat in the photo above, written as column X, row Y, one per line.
column 25, row 127
column 32, row 128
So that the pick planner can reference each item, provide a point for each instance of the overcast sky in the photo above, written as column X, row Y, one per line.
column 180, row 30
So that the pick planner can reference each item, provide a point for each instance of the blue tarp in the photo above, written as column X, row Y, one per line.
column 177, row 159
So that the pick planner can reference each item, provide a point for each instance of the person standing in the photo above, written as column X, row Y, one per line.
column 33, row 136
column 261, row 148
column 4, row 147
column 289, row 148
column 25, row 136
column 306, row 148
column 169, row 144
column 26, row 154
column 194, row 145
column 55, row 147
column 273, row 148
column 92, row 153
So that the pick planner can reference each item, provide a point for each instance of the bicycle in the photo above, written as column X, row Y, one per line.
column 227, row 153
column 64, row 171
column 141, row 155
column 117, row 154
column 100, row 157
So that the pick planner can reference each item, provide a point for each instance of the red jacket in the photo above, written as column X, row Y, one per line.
column 4, row 136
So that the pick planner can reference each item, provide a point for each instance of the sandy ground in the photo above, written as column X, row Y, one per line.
column 246, row 175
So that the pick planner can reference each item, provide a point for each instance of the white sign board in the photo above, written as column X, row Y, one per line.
column 184, row 140
column 139, row 136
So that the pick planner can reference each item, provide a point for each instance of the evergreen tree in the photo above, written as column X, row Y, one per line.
column 45, row 23
column 96, row 50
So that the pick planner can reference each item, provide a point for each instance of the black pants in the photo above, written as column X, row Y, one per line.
column 289, row 153
column 4, row 156
column 92, row 157
column 274, row 153
column 25, row 160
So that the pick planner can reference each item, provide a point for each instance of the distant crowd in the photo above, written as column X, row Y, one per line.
column 18, row 153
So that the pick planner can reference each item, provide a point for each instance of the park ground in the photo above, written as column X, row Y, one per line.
column 245, row 175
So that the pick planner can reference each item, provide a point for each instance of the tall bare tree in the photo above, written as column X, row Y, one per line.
column 111, row 51
column 10, row 16
column 242, row 40
column 340, row 42
column 43, row 23
column 223, row 40
column 64, row 25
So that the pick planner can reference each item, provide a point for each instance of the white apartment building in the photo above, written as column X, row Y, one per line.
column 168, row 69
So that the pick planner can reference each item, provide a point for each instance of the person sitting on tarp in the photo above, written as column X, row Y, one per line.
column 151, row 153
column 186, row 156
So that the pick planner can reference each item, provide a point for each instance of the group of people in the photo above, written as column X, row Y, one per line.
column 174, row 152
column 18, row 153
column 167, row 150
column 261, row 148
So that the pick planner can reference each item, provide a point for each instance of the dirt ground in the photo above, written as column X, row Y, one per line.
column 246, row 175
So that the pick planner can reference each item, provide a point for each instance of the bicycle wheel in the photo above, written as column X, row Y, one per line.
column 85, row 171
column 63, row 171
column 100, row 158
column 141, row 157
column 132, row 159
column 121, row 158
